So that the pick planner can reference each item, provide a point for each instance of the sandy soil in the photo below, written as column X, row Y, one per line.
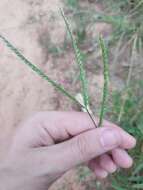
column 22, row 92
column 31, row 26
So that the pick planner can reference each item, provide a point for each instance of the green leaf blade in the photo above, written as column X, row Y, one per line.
column 138, row 186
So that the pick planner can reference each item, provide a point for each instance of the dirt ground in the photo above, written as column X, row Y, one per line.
column 30, row 26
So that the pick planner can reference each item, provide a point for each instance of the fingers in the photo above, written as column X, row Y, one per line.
column 47, row 128
column 84, row 147
column 121, row 158
column 109, row 164
column 62, row 125
column 100, row 172
column 128, row 141
column 102, row 166
column 106, row 164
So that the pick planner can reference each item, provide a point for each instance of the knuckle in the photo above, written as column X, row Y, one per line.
column 82, row 146
column 37, row 115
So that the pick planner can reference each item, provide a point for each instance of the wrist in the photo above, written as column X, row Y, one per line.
column 11, row 179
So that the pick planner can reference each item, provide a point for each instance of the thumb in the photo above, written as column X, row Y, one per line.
column 84, row 147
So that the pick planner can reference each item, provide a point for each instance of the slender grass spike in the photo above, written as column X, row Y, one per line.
column 79, row 59
column 38, row 70
column 105, row 58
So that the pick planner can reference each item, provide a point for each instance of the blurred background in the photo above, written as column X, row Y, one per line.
column 37, row 29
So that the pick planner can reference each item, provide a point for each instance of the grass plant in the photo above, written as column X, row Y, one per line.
column 126, row 109
column 79, row 61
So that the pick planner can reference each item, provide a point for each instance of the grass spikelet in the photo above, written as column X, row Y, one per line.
column 38, row 70
column 79, row 60
column 44, row 76
column 105, row 58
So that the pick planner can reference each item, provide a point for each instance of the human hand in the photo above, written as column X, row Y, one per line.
column 51, row 143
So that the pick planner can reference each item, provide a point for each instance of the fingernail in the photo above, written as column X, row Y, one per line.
column 102, row 175
column 113, row 169
column 110, row 138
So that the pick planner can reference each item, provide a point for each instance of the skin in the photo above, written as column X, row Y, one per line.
column 51, row 143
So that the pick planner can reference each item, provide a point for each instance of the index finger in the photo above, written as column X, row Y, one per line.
column 63, row 125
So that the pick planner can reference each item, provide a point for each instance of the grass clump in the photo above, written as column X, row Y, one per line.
column 132, row 122
column 126, row 18
column 126, row 108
